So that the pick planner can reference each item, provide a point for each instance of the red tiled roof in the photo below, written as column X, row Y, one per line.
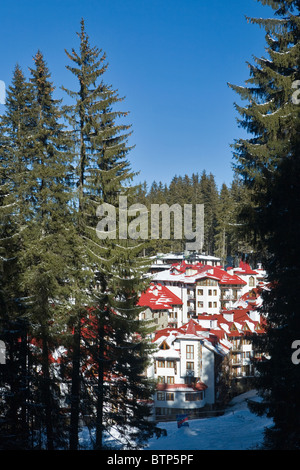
column 164, row 332
column 158, row 297
column 226, row 278
column 245, row 268
column 196, row 387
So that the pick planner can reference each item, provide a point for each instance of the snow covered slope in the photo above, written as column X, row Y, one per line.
column 237, row 429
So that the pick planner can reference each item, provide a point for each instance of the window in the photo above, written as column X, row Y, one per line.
column 209, row 304
column 160, row 396
column 170, row 380
column 251, row 281
column 160, row 379
column 207, row 282
column 190, row 351
column 200, row 304
column 246, row 354
column 170, row 364
column 200, row 291
column 215, row 291
column 209, row 292
column 194, row 396
column 161, row 364
column 170, row 396
column 215, row 304
column 190, row 366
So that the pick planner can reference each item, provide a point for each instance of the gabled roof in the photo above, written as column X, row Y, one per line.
column 245, row 268
column 191, row 328
column 191, row 273
column 212, row 339
column 158, row 297
column 226, row 278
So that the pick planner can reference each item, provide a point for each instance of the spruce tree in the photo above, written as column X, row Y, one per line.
column 118, row 351
column 224, row 218
column 209, row 197
column 45, row 245
column 268, row 162
column 14, row 126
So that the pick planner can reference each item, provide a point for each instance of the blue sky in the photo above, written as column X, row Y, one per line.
column 171, row 60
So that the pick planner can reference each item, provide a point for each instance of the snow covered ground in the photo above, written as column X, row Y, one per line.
column 237, row 429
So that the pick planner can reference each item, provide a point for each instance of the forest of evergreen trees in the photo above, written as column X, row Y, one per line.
column 75, row 349
column 222, row 209
column 68, row 300
column 268, row 163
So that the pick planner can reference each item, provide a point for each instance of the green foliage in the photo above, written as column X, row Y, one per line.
column 223, row 236
column 104, row 174
column 268, row 163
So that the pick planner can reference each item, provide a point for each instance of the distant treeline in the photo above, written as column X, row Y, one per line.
column 222, row 236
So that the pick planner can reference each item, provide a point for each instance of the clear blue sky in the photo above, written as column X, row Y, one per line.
column 171, row 60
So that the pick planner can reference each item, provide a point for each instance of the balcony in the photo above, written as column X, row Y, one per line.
column 236, row 347
column 190, row 373
column 191, row 309
column 228, row 297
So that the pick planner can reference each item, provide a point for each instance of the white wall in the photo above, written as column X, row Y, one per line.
column 208, row 374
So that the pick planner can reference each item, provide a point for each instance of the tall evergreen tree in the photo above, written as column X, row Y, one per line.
column 118, row 351
column 269, row 163
column 14, row 127
column 45, row 242
column 241, row 232
column 224, row 217
column 209, row 191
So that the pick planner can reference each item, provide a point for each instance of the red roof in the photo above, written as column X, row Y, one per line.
column 252, row 296
column 158, row 297
column 226, row 278
column 164, row 332
column 196, row 387
column 245, row 268
column 191, row 328
column 213, row 272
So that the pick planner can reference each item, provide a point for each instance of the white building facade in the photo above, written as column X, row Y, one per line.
column 184, row 368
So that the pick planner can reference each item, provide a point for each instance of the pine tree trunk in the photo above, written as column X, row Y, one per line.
column 100, row 391
column 24, row 385
column 47, row 394
column 75, row 390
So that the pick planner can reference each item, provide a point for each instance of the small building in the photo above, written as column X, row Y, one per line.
column 184, row 367
column 163, row 307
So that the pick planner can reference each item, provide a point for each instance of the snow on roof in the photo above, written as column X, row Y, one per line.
column 245, row 268
column 167, row 354
column 158, row 297
column 212, row 339
column 191, row 273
